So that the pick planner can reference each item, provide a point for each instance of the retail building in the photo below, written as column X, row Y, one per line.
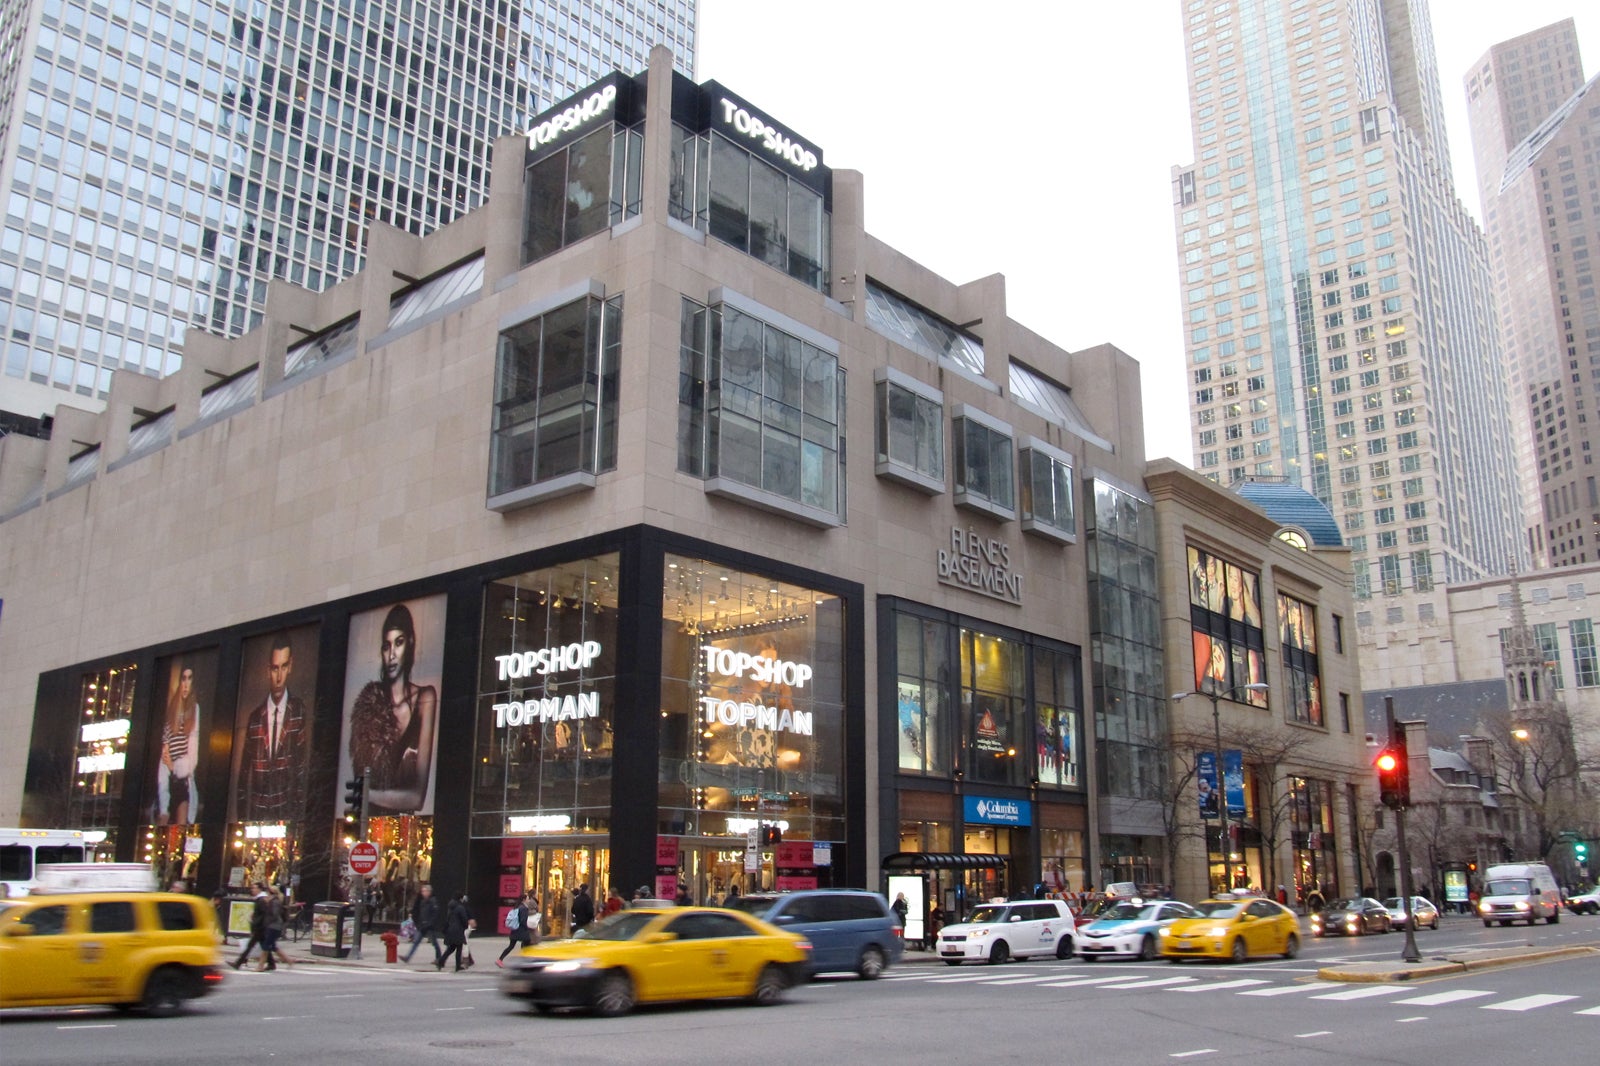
column 651, row 523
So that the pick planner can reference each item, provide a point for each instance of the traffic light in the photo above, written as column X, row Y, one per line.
column 354, row 790
column 1580, row 850
column 771, row 834
column 1394, row 777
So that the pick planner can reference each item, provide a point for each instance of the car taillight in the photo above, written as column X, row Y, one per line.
column 900, row 932
column 803, row 944
column 212, row 976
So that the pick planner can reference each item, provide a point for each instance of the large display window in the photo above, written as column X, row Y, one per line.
column 546, row 701
column 751, row 705
column 101, row 760
column 177, row 767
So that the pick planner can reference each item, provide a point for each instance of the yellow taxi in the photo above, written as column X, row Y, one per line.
column 1233, row 928
column 119, row 943
column 656, row 955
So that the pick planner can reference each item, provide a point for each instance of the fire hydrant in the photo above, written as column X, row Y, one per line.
column 391, row 947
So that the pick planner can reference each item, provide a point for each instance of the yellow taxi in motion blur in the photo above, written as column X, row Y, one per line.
column 119, row 943
column 1233, row 928
column 656, row 955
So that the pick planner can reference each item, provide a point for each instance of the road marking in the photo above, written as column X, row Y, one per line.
column 454, row 1008
column 1319, row 1032
column 1591, row 1010
column 1418, row 1018
column 345, row 995
column 1187, row 1054
column 1284, row 990
column 1023, row 980
column 1365, row 992
column 1246, row 982
column 287, row 1017
column 1440, row 998
column 1528, row 1003
column 1156, row 982
column 967, row 979
column 105, row 1025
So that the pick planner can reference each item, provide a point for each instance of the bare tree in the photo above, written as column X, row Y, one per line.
column 1269, row 750
column 1542, row 771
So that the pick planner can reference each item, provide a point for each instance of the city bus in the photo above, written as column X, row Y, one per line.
column 22, row 850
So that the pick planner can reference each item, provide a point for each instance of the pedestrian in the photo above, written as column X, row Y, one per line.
column 614, row 901
column 732, row 897
column 522, row 922
column 683, row 898
column 1283, row 896
column 582, row 907
column 219, row 903
column 642, row 892
column 425, row 922
column 900, row 908
column 935, row 921
column 458, row 926
column 258, row 914
column 272, row 929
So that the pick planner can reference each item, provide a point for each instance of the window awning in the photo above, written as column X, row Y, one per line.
column 943, row 860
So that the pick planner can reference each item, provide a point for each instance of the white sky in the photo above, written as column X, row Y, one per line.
column 994, row 135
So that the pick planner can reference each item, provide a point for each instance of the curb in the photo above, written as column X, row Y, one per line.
column 1449, row 967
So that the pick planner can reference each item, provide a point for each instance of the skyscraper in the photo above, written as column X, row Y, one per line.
column 162, row 162
column 1534, row 123
column 1341, row 329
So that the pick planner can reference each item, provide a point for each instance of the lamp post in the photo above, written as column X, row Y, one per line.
column 1222, row 777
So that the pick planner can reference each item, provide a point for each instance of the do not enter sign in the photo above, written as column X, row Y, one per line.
column 363, row 857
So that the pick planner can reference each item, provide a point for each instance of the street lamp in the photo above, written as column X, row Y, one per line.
column 1222, row 776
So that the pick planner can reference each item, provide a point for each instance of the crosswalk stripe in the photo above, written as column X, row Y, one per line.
column 1439, row 998
column 1078, row 982
column 1245, row 982
column 1025, row 980
column 1528, row 1003
column 1156, row 982
column 1284, row 990
column 1591, row 1010
column 1364, row 992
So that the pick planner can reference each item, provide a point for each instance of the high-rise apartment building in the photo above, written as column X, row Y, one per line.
column 1534, row 126
column 162, row 161
column 1340, row 322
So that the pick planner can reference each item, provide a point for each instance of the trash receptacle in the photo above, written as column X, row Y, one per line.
column 333, row 929
column 391, row 947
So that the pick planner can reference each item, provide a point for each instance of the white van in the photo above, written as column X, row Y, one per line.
column 1519, row 891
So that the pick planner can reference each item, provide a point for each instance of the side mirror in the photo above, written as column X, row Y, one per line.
column 784, row 919
column 662, row 938
column 19, row 929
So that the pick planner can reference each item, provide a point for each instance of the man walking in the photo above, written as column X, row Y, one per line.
column 425, row 917
column 258, row 928
column 582, row 908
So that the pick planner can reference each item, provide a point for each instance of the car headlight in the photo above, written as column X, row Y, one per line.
column 1163, row 932
column 1522, row 904
column 979, row 932
column 1483, row 908
column 1219, row 930
column 568, row 965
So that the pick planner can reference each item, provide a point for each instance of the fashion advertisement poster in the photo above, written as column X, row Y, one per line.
column 272, row 732
column 185, row 695
column 391, row 704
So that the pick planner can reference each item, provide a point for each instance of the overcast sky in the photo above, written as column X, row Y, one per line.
column 1036, row 139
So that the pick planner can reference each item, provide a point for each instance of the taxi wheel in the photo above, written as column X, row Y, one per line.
column 1001, row 952
column 769, row 987
column 614, row 995
column 164, row 992
column 1147, row 948
column 871, row 965
column 1064, row 948
column 1291, row 947
column 1238, row 953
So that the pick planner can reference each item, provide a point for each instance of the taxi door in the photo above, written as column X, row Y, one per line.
column 39, row 967
column 1046, row 925
column 1261, row 933
column 702, row 959
column 110, row 948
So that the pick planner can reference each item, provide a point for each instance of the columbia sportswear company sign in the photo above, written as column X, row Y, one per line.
column 992, row 811
column 979, row 564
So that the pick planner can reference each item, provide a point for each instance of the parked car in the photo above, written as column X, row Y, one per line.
column 1233, row 928
column 130, row 947
column 1427, row 914
column 1585, row 902
column 1351, row 916
column 1130, row 930
column 850, row 929
column 642, row 955
column 998, row 932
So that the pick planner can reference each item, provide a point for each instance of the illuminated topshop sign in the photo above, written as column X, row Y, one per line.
column 763, row 670
column 558, row 658
column 579, row 114
column 772, row 139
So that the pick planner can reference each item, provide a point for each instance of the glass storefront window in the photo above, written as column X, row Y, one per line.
column 752, row 704
column 546, row 701
column 1061, row 859
column 992, row 709
column 1055, row 693
column 99, row 769
column 924, row 721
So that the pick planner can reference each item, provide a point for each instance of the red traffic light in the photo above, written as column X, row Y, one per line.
column 1394, row 777
column 1387, row 762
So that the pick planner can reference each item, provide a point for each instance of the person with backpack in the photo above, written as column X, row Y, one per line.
column 522, row 922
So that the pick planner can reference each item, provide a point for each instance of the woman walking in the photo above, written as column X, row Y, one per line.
column 523, row 924
column 271, row 930
column 458, row 925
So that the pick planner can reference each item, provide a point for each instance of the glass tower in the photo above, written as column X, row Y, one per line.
column 162, row 161
column 1340, row 321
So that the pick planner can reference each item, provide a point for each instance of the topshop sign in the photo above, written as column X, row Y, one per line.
column 763, row 670
column 542, row 662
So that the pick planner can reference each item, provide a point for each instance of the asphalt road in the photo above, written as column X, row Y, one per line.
column 923, row 1012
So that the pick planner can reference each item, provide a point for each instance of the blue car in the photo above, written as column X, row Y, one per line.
column 1130, row 930
column 851, row 930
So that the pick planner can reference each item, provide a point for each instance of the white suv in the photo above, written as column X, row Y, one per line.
column 995, row 932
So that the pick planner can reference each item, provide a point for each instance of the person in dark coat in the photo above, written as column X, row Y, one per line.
column 582, row 908
column 258, row 926
column 458, row 925
column 525, row 931
column 425, row 918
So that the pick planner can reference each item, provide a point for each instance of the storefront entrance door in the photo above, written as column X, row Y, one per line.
column 557, row 873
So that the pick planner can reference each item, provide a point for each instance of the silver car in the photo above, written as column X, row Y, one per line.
column 1427, row 914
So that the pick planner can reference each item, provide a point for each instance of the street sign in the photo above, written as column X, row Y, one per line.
column 363, row 857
